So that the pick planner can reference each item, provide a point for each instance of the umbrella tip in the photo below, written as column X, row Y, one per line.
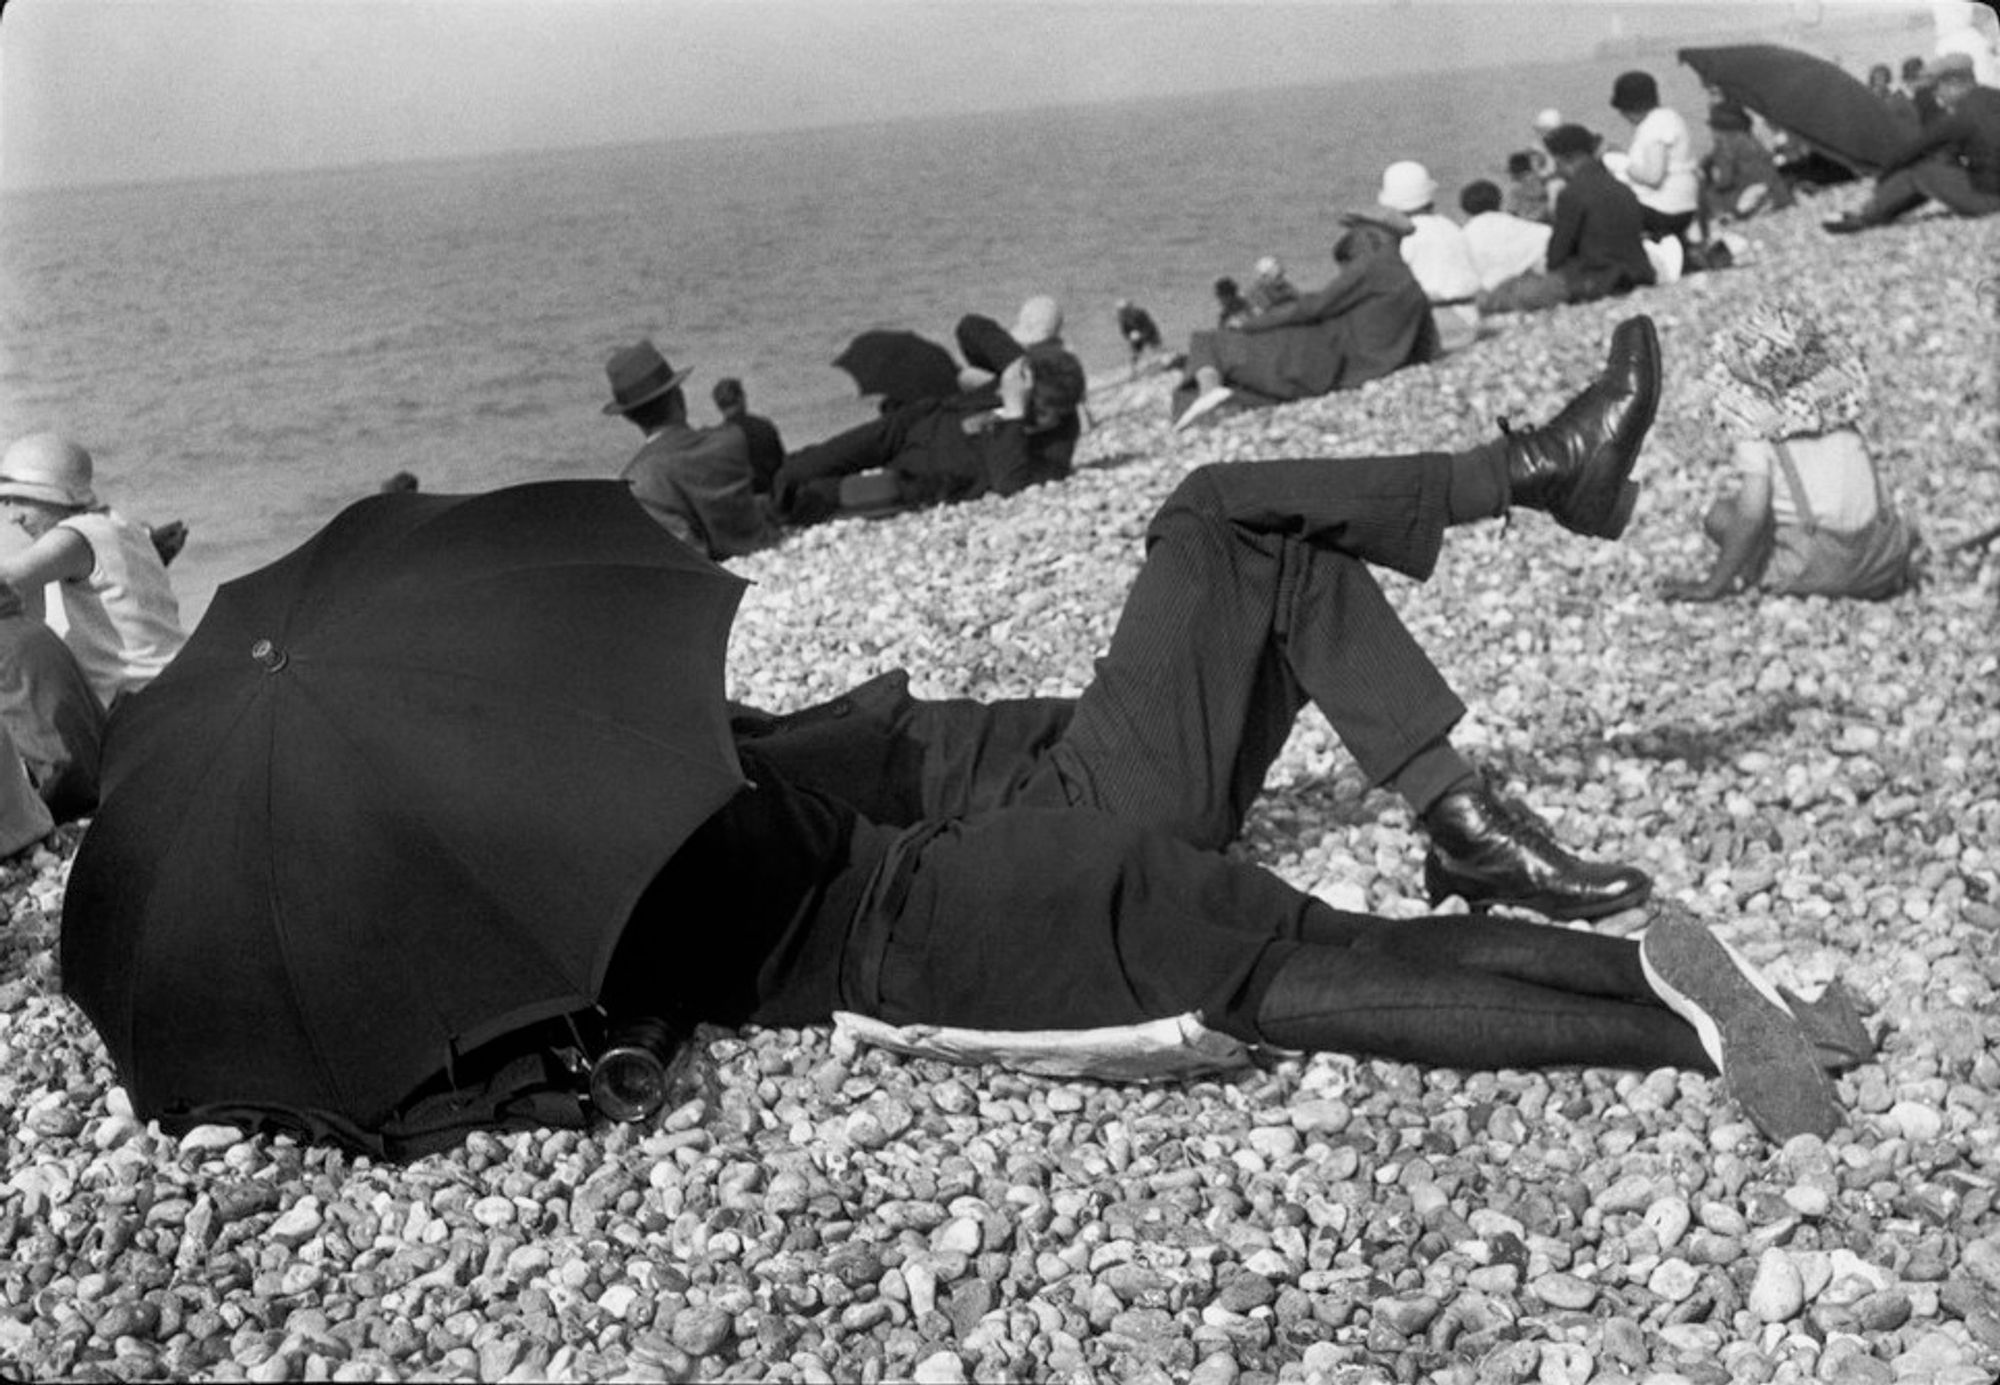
column 269, row 655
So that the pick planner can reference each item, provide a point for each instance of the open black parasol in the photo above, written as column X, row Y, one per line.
column 899, row 366
column 396, row 797
column 1828, row 108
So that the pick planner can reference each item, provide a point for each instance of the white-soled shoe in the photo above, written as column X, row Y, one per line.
column 1767, row 1062
column 1205, row 403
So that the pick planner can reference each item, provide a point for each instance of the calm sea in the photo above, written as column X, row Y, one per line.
column 251, row 354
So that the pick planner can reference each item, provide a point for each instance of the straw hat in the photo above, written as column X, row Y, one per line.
column 1407, row 187
column 47, row 468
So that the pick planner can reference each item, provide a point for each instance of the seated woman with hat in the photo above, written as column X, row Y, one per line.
column 124, row 623
column 1740, row 177
column 1437, row 252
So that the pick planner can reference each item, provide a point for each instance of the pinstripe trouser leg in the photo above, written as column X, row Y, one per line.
column 1256, row 597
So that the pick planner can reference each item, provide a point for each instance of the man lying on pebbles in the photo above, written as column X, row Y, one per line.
column 1083, row 892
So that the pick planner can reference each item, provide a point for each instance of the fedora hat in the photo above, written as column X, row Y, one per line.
column 47, row 468
column 639, row 374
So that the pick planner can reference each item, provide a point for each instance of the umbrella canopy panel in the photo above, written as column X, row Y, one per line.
column 899, row 365
column 397, row 797
column 1828, row 108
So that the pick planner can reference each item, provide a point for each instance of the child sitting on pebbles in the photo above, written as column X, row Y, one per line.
column 1808, row 516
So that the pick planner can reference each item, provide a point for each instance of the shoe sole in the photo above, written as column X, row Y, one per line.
column 1440, row 885
column 1621, row 513
column 1768, row 1065
column 1637, row 424
column 1202, row 406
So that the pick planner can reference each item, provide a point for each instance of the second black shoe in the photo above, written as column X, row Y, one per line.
column 1488, row 851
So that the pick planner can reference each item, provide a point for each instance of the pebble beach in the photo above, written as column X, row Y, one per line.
column 1816, row 778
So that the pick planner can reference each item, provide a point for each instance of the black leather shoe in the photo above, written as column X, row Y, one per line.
column 1577, row 468
column 1488, row 851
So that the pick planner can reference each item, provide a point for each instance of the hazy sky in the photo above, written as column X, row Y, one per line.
column 116, row 90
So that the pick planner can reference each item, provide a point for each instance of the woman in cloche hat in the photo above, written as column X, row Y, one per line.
column 124, row 623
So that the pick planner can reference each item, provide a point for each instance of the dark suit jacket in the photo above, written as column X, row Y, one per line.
column 940, row 461
column 1598, row 243
column 696, row 482
column 765, row 446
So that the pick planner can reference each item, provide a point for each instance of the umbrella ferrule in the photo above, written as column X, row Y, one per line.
column 269, row 655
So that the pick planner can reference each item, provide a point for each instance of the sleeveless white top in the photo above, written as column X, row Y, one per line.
column 124, row 623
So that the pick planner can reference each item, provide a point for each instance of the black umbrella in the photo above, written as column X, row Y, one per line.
column 899, row 366
column 1829, row 109
column 397, row 797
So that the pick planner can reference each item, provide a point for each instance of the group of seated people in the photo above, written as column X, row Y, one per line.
column 1009, row 420
column 1578, row 222
column 1413, row 284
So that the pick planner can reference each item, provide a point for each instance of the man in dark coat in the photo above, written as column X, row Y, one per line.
column 1141, row 333
column 696, row 482
column 1598, row 244
column 1956, row 159
column 1372, row 319
column 1085, row 887
column 761, row 439
column 1021, row 432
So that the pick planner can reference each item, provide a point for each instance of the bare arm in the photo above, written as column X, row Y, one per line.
column 1744, row 526
column 61, row 555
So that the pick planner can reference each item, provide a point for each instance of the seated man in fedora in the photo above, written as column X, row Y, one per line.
column 696, row 482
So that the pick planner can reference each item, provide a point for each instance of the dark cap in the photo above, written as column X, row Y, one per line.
column 1727, row 115
column 1566, row 140
column 1634, row 91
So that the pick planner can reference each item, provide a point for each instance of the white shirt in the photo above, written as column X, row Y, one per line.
column 124, row 623
column 1504, row 246
column 1660, row 165
column 1438, row 256
column 1834, row 469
